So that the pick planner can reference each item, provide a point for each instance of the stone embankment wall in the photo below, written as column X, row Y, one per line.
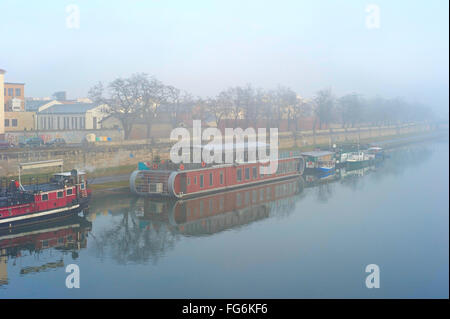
column 114, row 154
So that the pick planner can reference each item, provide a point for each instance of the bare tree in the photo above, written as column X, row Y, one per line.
column 124, row 100
column 324, row 107
column 350, row 109
column 218, row 108
column 178, row 102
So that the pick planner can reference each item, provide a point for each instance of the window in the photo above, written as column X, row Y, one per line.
column 239, row 175
column 195, row 180
column 60, row 194
column 247, row 173
column 210, row 179
column 201, row 180
column 6, row 122
column 221, row 177
column 10, row 92
column 44, row 197
column 14, row 122
column 255, row 173
column 82, row 186
column 18, row 92
column 69, row 191
column 189, row 181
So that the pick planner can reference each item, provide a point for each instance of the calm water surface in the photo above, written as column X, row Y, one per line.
column 306, row 238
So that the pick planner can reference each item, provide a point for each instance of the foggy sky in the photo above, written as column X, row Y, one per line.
column 206, row 46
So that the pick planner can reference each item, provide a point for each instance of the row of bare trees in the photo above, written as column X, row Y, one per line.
column 145, row 99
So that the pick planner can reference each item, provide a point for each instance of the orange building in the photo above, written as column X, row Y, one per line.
column 14, row 97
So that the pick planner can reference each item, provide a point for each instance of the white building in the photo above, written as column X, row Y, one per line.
column 77, row 116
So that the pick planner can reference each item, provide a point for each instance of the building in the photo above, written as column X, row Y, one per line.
column 2, row 99
column 77, row 116
column 39, row 105
column 19, row 121
column 60, row 95
column 14, row 100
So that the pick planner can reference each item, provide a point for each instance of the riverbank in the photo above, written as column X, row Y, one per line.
column 102, row 183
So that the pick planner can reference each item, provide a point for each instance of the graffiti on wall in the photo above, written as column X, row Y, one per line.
column 69, row 136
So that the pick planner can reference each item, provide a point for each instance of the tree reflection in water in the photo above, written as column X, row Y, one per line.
column 126, row 242
column 145, row 230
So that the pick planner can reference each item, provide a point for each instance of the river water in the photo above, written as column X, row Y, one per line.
column 302, row 238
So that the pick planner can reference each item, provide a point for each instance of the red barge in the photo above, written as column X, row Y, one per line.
column 167, row 179
column 64, row 194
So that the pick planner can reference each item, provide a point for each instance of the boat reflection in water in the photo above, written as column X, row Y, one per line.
column 214, row 213
column 312, row 180
column 67, row 235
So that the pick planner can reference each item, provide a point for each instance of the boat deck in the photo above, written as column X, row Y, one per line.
column 46, row 187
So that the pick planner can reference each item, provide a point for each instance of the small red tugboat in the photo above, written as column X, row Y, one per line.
column 64, row 194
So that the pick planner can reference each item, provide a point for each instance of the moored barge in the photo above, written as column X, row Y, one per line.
column 167, row 179
column 319, row 161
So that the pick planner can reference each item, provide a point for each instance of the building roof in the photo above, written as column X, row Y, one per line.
column 34, row 105
column 15, row 83
column 76, row 108
column 317, row 153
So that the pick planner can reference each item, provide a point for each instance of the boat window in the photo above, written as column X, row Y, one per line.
column 247, row 173
column 255, row 172
column 201, row 180
column 239, row 175
column 69, row 191
column 221, row 177
column 45, row 197
column 60, row 194
column 210, row 179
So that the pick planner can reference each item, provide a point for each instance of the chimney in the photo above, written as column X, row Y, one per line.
column 2, row 103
